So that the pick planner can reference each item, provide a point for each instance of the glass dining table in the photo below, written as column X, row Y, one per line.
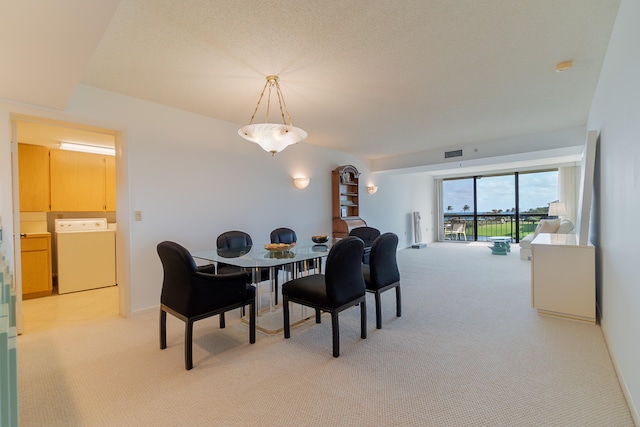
column 298, row 258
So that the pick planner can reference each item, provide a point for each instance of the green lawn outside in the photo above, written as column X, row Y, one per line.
column 499, row 229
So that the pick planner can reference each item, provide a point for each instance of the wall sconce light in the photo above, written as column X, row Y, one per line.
column 371, row 189
column 301, row 183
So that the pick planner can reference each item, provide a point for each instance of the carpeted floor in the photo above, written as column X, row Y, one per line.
column 468, row 351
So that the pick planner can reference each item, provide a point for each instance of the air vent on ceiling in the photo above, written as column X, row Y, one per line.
column 454, row 153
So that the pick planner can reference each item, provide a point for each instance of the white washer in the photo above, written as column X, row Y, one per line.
column 86, row 252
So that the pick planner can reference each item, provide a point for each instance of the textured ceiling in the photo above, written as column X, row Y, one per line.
column 374, row 78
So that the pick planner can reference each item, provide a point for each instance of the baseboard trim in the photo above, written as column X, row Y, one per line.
column 623, row 384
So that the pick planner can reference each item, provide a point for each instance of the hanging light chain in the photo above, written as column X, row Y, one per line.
column 271, row 82
column 258, row 104
column 283, row 105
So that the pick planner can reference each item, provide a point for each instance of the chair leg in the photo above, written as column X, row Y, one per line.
column 252, row 324
column 163, row 329
column 188, row 345
column 378, row 310
column 363, row 320
column 222, row 322
column 335, row 333
column 285, row 313
column 318, row 315
column 398, row 302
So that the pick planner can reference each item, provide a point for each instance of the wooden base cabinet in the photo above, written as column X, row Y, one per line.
column 563, row 277
column 36, row 265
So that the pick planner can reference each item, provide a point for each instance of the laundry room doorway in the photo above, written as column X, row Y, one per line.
column 66, row 174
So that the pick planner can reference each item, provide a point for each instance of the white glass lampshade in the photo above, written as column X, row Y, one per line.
column 301, row 182
column 272, row 137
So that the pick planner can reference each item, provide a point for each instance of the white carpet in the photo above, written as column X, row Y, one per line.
column 468, row 351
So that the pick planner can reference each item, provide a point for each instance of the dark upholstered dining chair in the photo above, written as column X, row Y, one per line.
column 382, row 274
column 237, row 243
column 282, row 235
column 340, row 287
column 191, row 295
column 288, row 236
column 368, row 235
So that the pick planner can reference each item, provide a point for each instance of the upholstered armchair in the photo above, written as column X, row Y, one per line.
column 191, row 295
column 556, row 226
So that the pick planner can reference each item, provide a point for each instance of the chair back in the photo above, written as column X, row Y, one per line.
column 367, row 234
column 458, row 227
column 178, row 267
column 343, row 274
column 283, row 235
column 383, row 264
column 233, row 240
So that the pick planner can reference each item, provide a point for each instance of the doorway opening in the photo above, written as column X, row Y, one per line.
column 44, row 193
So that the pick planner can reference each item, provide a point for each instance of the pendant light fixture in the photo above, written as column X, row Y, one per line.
column 272, row 137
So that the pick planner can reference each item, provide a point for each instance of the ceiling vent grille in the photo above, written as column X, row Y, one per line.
column 454, row 153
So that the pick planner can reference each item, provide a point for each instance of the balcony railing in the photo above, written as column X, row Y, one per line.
column 498, row 224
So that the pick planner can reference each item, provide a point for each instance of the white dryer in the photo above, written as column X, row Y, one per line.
column 86, row 254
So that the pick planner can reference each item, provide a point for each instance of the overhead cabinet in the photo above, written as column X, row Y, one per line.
column 82, row 181
column 110, row 183
column 33, row 164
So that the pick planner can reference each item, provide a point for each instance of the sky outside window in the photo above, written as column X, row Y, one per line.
column 498, row 192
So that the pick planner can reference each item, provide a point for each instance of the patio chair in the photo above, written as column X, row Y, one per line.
column 458, row 228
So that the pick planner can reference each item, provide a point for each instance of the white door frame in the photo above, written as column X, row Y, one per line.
column 122, row 206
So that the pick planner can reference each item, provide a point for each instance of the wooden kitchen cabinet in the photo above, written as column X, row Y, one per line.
column 110, row 183
column 563, row 277
column 33, row 177
column 82, row 181
column 36, row 265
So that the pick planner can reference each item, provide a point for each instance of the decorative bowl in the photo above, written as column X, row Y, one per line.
column 278, row 247
column 319, row 239
column 280, row 254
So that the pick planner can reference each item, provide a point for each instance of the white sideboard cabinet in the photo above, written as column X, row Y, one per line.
column 563, row 277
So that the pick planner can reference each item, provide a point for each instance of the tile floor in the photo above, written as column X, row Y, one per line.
column 61, row 310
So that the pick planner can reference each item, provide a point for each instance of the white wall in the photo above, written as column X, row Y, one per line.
column 193, row 178
column 392, row 207
column 615, row 112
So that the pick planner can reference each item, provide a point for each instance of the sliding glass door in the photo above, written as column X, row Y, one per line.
column 537, row 190
column 496, row 197
column 480, row 207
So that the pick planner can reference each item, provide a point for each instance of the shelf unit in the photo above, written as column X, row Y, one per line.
column 346, row 210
